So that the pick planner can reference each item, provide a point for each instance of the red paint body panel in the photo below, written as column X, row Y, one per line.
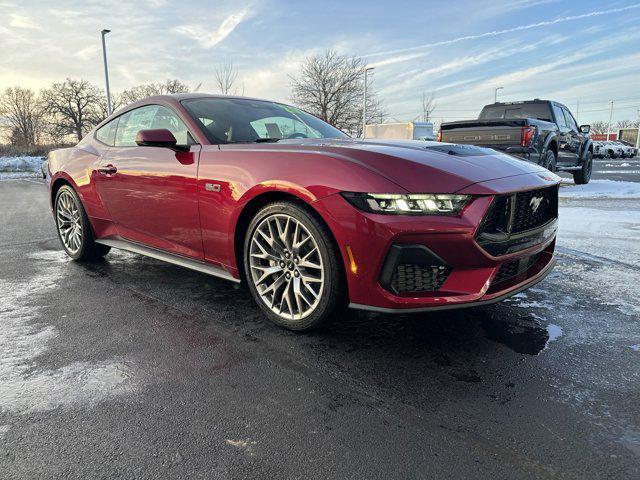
column 152, row 198
column 189, row 203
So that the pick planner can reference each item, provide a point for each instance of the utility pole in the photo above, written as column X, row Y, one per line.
column 638, row 138
column 364, row 100
column 495, row 94
column 610, row 118
column 106, row 70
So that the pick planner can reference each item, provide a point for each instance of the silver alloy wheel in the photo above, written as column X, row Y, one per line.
column 286, row 266
column 69, row 222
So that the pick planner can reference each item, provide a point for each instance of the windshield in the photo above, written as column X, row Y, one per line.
column 237, row 120
column 521, row 110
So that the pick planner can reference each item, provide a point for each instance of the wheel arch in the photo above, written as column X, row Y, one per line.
column 250, row 208
column 56, row 184
column 586, row 149
column 552, row 144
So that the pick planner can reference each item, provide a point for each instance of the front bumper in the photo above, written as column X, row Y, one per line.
column 472, row 276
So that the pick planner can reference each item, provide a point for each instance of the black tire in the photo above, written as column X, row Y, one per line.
column 582, row 176
column 88, row 248
column 549, row 161
column 332, row 294
column 612, row 154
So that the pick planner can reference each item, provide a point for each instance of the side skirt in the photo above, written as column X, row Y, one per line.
column 169, row 258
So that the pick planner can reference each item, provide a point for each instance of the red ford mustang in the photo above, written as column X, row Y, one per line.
column 261, row 192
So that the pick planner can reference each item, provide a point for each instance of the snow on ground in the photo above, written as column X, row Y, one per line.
column 606, row 233
column 25, row 335
column 600, row 189
column 20, row 167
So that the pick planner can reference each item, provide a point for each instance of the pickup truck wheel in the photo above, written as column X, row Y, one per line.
column 582, row 176
column 549, row 161
column 293, row 267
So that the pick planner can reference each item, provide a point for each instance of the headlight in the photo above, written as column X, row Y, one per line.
column 409, row 204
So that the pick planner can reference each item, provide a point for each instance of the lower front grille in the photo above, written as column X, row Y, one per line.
column 513, row 268
column 412, row 278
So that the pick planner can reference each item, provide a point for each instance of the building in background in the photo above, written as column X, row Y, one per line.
column 401, row 131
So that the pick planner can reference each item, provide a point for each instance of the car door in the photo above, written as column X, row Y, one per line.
column 151, row 192
column 565, row 154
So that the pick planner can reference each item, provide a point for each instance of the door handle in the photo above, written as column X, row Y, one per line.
column 107, row 169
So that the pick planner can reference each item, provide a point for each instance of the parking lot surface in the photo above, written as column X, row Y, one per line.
column 130, row 368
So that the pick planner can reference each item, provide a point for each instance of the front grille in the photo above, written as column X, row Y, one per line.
column 522, row 211
column 411, row 278
column 513, row 268
column 535, row 208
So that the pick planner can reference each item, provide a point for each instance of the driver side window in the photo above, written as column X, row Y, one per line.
column 559, row 116
column 571, row 123
column 150, row 117
column 283, row 127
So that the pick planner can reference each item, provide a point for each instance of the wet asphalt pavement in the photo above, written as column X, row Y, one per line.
column 130, row 368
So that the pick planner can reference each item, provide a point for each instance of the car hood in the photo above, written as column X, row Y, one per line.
column 420, row 166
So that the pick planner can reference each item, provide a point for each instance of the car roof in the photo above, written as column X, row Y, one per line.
column 188, row 96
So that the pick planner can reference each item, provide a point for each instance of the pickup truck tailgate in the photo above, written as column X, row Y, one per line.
column 480, row 133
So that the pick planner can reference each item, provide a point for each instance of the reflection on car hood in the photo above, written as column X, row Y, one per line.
column 420, row 166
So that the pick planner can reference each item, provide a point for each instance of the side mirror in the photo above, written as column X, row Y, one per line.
column 156, row 138
column 585, row 128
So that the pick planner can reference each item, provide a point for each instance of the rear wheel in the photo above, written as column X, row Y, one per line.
column 549, row 161
column 74, row 229
column 582, row 176
column 292, row 267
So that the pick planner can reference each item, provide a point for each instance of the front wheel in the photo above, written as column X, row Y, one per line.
column 292, row 266
column 582, row 176
column 74, row 229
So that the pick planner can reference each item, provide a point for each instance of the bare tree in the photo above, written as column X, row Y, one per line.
column 428, row 105
column 116, row 103
column 226, row 76
column 150, row 89
column 72, row 107
column 624, row 124
column 23, row 115
column 599, row 127
column 331, row 86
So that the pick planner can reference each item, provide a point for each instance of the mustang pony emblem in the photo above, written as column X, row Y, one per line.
column 535, row 203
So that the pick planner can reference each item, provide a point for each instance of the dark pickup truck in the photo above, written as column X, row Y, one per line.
column 540, row 131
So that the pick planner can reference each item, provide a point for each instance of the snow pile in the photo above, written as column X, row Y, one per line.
column 18, row 167
column 20, row 164
column 600, row 189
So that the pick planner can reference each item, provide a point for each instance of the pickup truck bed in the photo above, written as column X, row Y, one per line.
column 505, row 135
column 539, row 131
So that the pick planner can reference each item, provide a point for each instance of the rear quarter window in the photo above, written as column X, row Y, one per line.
column 107, row 133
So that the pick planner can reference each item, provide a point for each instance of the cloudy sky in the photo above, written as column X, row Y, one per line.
column 586, row 51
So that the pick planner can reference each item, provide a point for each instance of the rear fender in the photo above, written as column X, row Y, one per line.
column 550, row 139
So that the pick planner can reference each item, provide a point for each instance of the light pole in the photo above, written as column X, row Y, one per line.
column 638, row 138
column 610, row 117
column 106, row 70
column 364, row 100
column 495, row 94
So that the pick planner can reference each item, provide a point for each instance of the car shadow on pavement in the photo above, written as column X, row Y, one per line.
column 416, row 351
